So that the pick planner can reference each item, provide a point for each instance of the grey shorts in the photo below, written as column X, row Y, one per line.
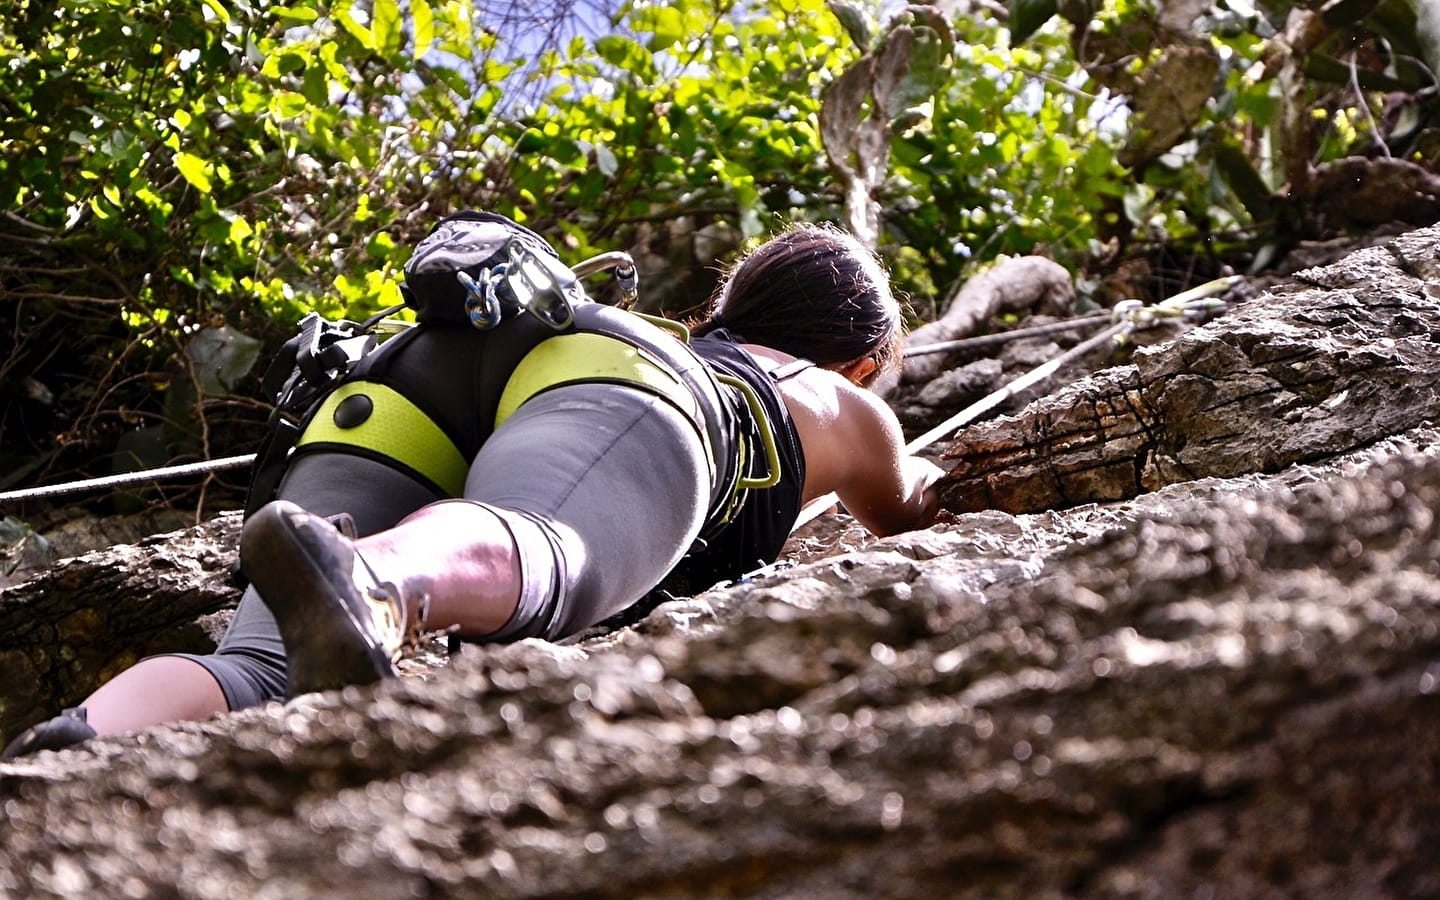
column 604, row 488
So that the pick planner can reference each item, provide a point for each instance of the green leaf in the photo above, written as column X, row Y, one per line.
column 381, row 246
column 605, row 161
column 295, row 15
column 619, row 51
column 531, row 141
column 385, row 27
column 316, row 87
column 924, row 72
column 424, row 27
column 566, row 151
column 289, row 105
column 1027, row 17
column 347, row 21
column 218, row 10
column 665, row 24
column 854, row 21
column 239, row 231
column 194, row 170
column 221, row 357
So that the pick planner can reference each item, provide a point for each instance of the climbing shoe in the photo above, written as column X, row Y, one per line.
column 340, row 623
column 65, row 730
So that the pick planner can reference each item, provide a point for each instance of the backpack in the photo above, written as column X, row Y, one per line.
column 480, row 267
column 475, row 268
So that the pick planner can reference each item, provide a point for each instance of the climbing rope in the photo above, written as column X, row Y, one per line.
column 1128, row 316
column 144, row 476
column 986, row 340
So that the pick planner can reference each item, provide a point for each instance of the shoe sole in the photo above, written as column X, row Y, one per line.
column 64, row 730
column 322, row 621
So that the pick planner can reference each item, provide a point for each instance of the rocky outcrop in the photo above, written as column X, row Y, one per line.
column 1225, row 686
column 86, row 619
column 1344, row 356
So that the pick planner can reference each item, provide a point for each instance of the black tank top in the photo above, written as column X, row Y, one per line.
column 759, row 529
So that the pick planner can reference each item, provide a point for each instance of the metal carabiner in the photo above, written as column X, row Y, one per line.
column 627, row 277
column 482, row 306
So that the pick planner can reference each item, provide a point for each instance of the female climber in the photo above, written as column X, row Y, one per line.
column 534, row 476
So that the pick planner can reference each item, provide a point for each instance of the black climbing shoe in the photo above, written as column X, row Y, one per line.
column 65, row 730
column 341, row 625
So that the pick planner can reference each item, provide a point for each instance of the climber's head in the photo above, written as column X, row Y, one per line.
column 814, row 292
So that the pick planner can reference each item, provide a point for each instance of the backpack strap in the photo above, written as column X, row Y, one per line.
column 308, row 364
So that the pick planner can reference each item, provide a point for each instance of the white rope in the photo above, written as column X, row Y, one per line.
column 90, row 484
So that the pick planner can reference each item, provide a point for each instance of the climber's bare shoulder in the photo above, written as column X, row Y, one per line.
column 854, row 448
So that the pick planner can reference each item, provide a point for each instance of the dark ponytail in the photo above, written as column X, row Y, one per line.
column 814, row 292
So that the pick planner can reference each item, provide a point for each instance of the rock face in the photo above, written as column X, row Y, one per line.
column 1228, row 686
column 89, row 618
column 1343, row 357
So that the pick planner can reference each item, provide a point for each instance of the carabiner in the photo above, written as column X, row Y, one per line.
column 482, row 307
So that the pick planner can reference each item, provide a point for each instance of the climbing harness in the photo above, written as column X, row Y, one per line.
column 384, row 423
column 477, row 268
column 1127, row 317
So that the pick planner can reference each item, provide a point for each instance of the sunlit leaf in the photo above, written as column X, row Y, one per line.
column 385, row 26
column 617, row 50
column 217, row 9
column 344, row 14
column 424, row 21
column 194, row 170
column 295, row 15
column 665, row 24
column 240, row 230
column 289, row 104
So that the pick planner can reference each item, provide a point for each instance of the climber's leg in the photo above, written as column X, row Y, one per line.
column 157, row 689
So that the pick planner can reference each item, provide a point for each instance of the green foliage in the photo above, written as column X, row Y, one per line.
column 1011, row 159
column 726, row 124
column 1029, row 16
